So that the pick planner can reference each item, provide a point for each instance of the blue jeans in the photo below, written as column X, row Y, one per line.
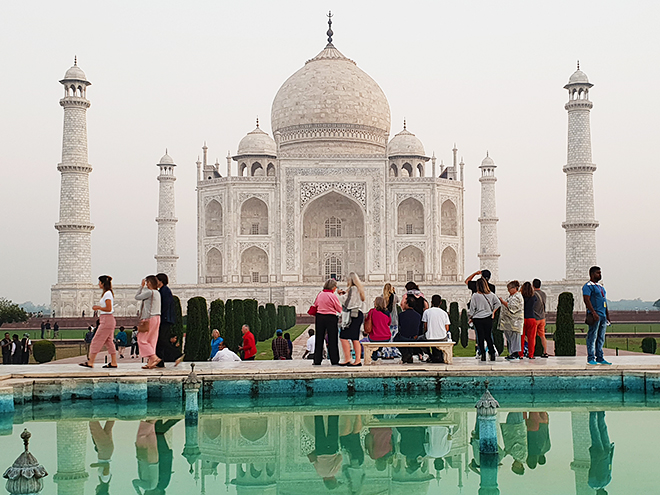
column 596, row 339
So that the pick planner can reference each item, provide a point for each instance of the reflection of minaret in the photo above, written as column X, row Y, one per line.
column 488, row 250
column 74, row 262
column 580, row 224
column 71, row 462
column 581, row 458
column 166, row 256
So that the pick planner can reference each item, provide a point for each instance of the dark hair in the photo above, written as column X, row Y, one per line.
column 163, row 278
column 593, row 270
column 310, row 332
column 287, row 336
column 536, row 283
column 106, row 280
column 121, row 329
column 15, row 336
column 482, row 286
column 526, row 290
column 412, row 286
column 151, row 279
column 486, row 274
column 436, row 300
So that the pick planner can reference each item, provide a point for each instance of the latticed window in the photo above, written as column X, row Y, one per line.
column 255, row 229
column 409, row 228
column 333, row 227
column 333, row 268
column 409, row 275
column 255, row 276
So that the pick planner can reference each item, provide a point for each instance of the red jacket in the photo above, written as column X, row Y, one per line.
column 249, row 345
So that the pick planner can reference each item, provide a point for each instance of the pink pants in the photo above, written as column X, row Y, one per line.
column 147, row 340
column 104, row 335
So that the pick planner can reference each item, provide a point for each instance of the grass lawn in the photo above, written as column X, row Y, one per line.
column 615, row 327
column 264, row 349
column 622, row 343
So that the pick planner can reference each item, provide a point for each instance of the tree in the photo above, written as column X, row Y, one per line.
column 10, row 312
column 454, row 320
column 271, row 315
column 198, row 335
column 230, row 336
column 281, row 322
column 565, row 326
column 177, row 328
column 465, row 328
column 43, row 351
column 443, row 305
column 238, row 321
column 264, row 323
column 217, row 317
column 498, row 335
column 250, row 310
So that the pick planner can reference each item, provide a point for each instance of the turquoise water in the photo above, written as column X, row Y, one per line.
column 417, row 444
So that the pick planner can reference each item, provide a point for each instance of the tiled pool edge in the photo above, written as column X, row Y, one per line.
column 137, row 389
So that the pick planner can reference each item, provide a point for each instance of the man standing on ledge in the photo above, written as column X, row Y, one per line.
column 249, row 346
column 598, row 316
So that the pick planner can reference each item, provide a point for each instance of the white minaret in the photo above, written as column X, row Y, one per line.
column 488, row 250
column 580, row 221
column 74, row 262
column 166, row 256
column 71, row 476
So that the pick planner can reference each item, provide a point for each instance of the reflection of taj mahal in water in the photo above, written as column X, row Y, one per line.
column 328, row 194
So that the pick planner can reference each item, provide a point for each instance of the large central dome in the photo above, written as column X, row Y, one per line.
column 330, row 106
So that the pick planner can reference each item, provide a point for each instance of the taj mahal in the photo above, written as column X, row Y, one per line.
column 328, row 192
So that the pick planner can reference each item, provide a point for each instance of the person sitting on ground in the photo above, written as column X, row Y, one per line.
column 309, row 347
column 120, row 341
column 409, row 322
column 511, row 321
column 287, row 337
column 225, row 354
column 173, row 350
column 215, row 342
column 279, row 346
column 249, row 346
column 436, row 327
column 380, row 324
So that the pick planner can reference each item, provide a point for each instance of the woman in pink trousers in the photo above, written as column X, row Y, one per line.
column 105, row 333
column 150, row 310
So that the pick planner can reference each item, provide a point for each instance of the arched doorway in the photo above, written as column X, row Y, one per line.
column 213, row 219
column 254, row 265
column 449, row 265
column 410, row 217
column 448, row 219
column 411, row 265
column 213, row 266
column 333, row 238
column 254, row 217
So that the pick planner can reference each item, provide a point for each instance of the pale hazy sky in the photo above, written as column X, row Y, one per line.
column 488, row 75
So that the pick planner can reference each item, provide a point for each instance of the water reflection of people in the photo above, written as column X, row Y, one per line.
column 601, row 453
column 349, row 438
column 378, row 444
column 538, row 437
column 326, row 457
column 104, row 446
column 164, row 456
column 146, row 452
column 514, row 436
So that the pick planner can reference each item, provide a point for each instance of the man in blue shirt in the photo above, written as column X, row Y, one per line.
column 595, row 299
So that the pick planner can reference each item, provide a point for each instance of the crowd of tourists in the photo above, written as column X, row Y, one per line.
column 16, row 350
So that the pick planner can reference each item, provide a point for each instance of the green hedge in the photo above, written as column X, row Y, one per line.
column 198, row 335
column 271, row 319
column 465, row 326
column 649, row 345
column 177, row 328
column 217, row 317
column 454, row 321
column 43, row 351
column 251, row 312
column 263, row 334
column 565, row 327
column 498, row 335
column 230, row 336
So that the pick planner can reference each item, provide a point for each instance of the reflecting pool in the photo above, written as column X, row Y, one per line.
column 372, row 445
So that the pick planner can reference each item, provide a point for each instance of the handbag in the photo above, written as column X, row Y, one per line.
column 143, row 325
column 368, row 324
column 312, row 310
column 590, row 319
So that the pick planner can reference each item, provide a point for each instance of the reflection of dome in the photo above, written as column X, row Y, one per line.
column 578, row 77
column 76, row 73
column 257, row 142
column 166, row 160
column 331, row 99
column 253, row 429
column 405, row 144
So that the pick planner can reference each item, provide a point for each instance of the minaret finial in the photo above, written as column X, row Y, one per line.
column 404, row 123
column 257, row 122
column 166, row 151
column 75, row 60
column 329, row 33
column 486, row 153
column 578, row 65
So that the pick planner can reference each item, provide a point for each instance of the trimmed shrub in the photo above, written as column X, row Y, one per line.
column 271, row 319
column 565, row 327
column 465, row 326
column 649, row 345
column 454, row 321
column 238, row 321
column 177, row 328
column 250, row 309
column 217, row 317
column 281, row 319
column 198, row 335
column 498, row 335
column 264, row 325
column 43, row 351
column 230, row 337
column 443, row 304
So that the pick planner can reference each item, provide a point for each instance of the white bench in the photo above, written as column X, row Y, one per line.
column 447, row 348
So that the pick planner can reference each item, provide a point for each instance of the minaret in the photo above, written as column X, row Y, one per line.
column 580, row 224
column 71, row 438
column 74, row 261
column 166, row 256
column 488, row 250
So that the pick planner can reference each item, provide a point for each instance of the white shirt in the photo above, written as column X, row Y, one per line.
column 311, row 343
column 439, row 442
column 436, row 320
column 225, row 355
column 107, row 296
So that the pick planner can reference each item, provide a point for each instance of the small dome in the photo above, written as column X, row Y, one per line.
column 166, row 160
column 405, row 143
column 75, row 73
column 257, row 142
column 488, row 162
column 578, row 77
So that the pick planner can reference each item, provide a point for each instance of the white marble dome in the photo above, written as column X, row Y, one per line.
column 488, row 162
column 166, row 160
column 75, row 73
column 257, row 142
column 331, row 99
column 578, row 77
column 405, row 143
